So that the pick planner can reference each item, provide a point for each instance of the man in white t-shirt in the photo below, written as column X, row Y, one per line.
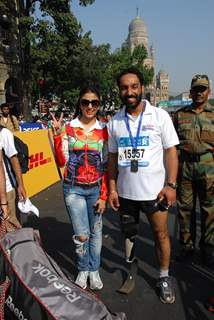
column 141, row 137
column 10, row 152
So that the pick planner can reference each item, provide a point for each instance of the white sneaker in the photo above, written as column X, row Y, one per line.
column 81, row 279
column 95, row 281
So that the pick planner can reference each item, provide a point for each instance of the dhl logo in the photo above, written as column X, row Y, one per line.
column 37, row 159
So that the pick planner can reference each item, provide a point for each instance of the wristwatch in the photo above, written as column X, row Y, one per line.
column 173, row 185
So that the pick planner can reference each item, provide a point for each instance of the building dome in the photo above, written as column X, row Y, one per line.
column 137, row 34
column 137, row 25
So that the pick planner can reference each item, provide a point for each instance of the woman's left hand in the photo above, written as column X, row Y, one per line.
column 100, row 206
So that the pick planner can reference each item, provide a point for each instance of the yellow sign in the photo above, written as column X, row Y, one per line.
column 42, row 167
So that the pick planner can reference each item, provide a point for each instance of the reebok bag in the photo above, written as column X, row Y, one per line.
column 38, row 289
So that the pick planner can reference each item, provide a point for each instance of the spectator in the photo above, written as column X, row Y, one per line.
column 21, row 118
column 81, row 147
column 36, row 119
column 140, row 135
column 102, row 116
column 14, row 181
column 3, row 195
column 108, row 116
column 7, row 119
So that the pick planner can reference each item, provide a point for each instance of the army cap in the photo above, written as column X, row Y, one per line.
column 200, row 80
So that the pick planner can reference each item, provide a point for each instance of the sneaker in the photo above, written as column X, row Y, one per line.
column 81, row 279
column 95, row 281
column 167, row 294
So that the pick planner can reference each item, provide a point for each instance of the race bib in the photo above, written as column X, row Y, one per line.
column 128, row 154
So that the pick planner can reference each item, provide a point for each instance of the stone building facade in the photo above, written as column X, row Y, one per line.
column 158, row 90
column 9, row 55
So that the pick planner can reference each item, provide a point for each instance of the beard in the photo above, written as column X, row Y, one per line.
column 5, row 115
column 134, row 104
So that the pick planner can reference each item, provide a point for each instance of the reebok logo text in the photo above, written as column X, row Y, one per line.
column 18, row 313
column 51, row 278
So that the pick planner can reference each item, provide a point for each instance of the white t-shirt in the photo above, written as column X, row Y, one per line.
column 7, row 143
column 156, row 134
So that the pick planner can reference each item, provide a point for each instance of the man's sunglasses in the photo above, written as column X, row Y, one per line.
column 85, row 103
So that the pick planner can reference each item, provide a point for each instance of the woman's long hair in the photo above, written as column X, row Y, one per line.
column 84, row 90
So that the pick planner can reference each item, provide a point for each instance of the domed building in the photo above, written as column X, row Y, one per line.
column 158, row 90
column 137, row 33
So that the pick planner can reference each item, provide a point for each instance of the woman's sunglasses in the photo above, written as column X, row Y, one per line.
column 85, row 103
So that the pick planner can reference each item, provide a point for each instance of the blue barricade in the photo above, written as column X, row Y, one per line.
column 27, row 126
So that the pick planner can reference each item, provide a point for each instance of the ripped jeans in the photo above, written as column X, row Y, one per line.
column 86, row 222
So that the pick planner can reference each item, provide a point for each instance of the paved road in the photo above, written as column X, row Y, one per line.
column 193, row 282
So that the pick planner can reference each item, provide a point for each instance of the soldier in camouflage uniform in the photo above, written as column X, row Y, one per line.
column 195, row 128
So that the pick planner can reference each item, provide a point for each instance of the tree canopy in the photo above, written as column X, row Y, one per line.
column 54, row 49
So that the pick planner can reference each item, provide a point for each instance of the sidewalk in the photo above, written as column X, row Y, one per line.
column 193, row 282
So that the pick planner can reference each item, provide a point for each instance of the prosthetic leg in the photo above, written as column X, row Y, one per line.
column 131, row 262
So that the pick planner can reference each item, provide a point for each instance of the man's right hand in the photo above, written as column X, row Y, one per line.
column 114, row 200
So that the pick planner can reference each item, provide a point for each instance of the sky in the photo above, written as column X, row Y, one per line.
column 181, row 31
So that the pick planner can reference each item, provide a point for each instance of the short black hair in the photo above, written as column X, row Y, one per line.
column 5, row 104
column 132, row 70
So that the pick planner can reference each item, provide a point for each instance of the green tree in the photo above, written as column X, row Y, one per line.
column 66, row 59
column 57, row 31
column 97, row 65
column 122, row 59
column 49, row 41
column 54, row 49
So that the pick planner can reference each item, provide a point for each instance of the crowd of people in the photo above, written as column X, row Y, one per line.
column 139, row 160
column 11, row 122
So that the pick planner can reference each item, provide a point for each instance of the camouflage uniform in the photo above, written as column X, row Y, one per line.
column 196, row 174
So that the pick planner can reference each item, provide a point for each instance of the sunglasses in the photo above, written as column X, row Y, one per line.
column 85, row 103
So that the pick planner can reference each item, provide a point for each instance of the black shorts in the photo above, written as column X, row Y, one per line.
column 134, row 207
column 130, row 213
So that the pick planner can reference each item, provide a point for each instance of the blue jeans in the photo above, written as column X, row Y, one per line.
column 86, row 222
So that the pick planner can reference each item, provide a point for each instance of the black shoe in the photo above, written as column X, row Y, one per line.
column 167, row 293
column 185, row 254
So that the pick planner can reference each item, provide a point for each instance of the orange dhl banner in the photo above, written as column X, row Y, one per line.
column 42, row 167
